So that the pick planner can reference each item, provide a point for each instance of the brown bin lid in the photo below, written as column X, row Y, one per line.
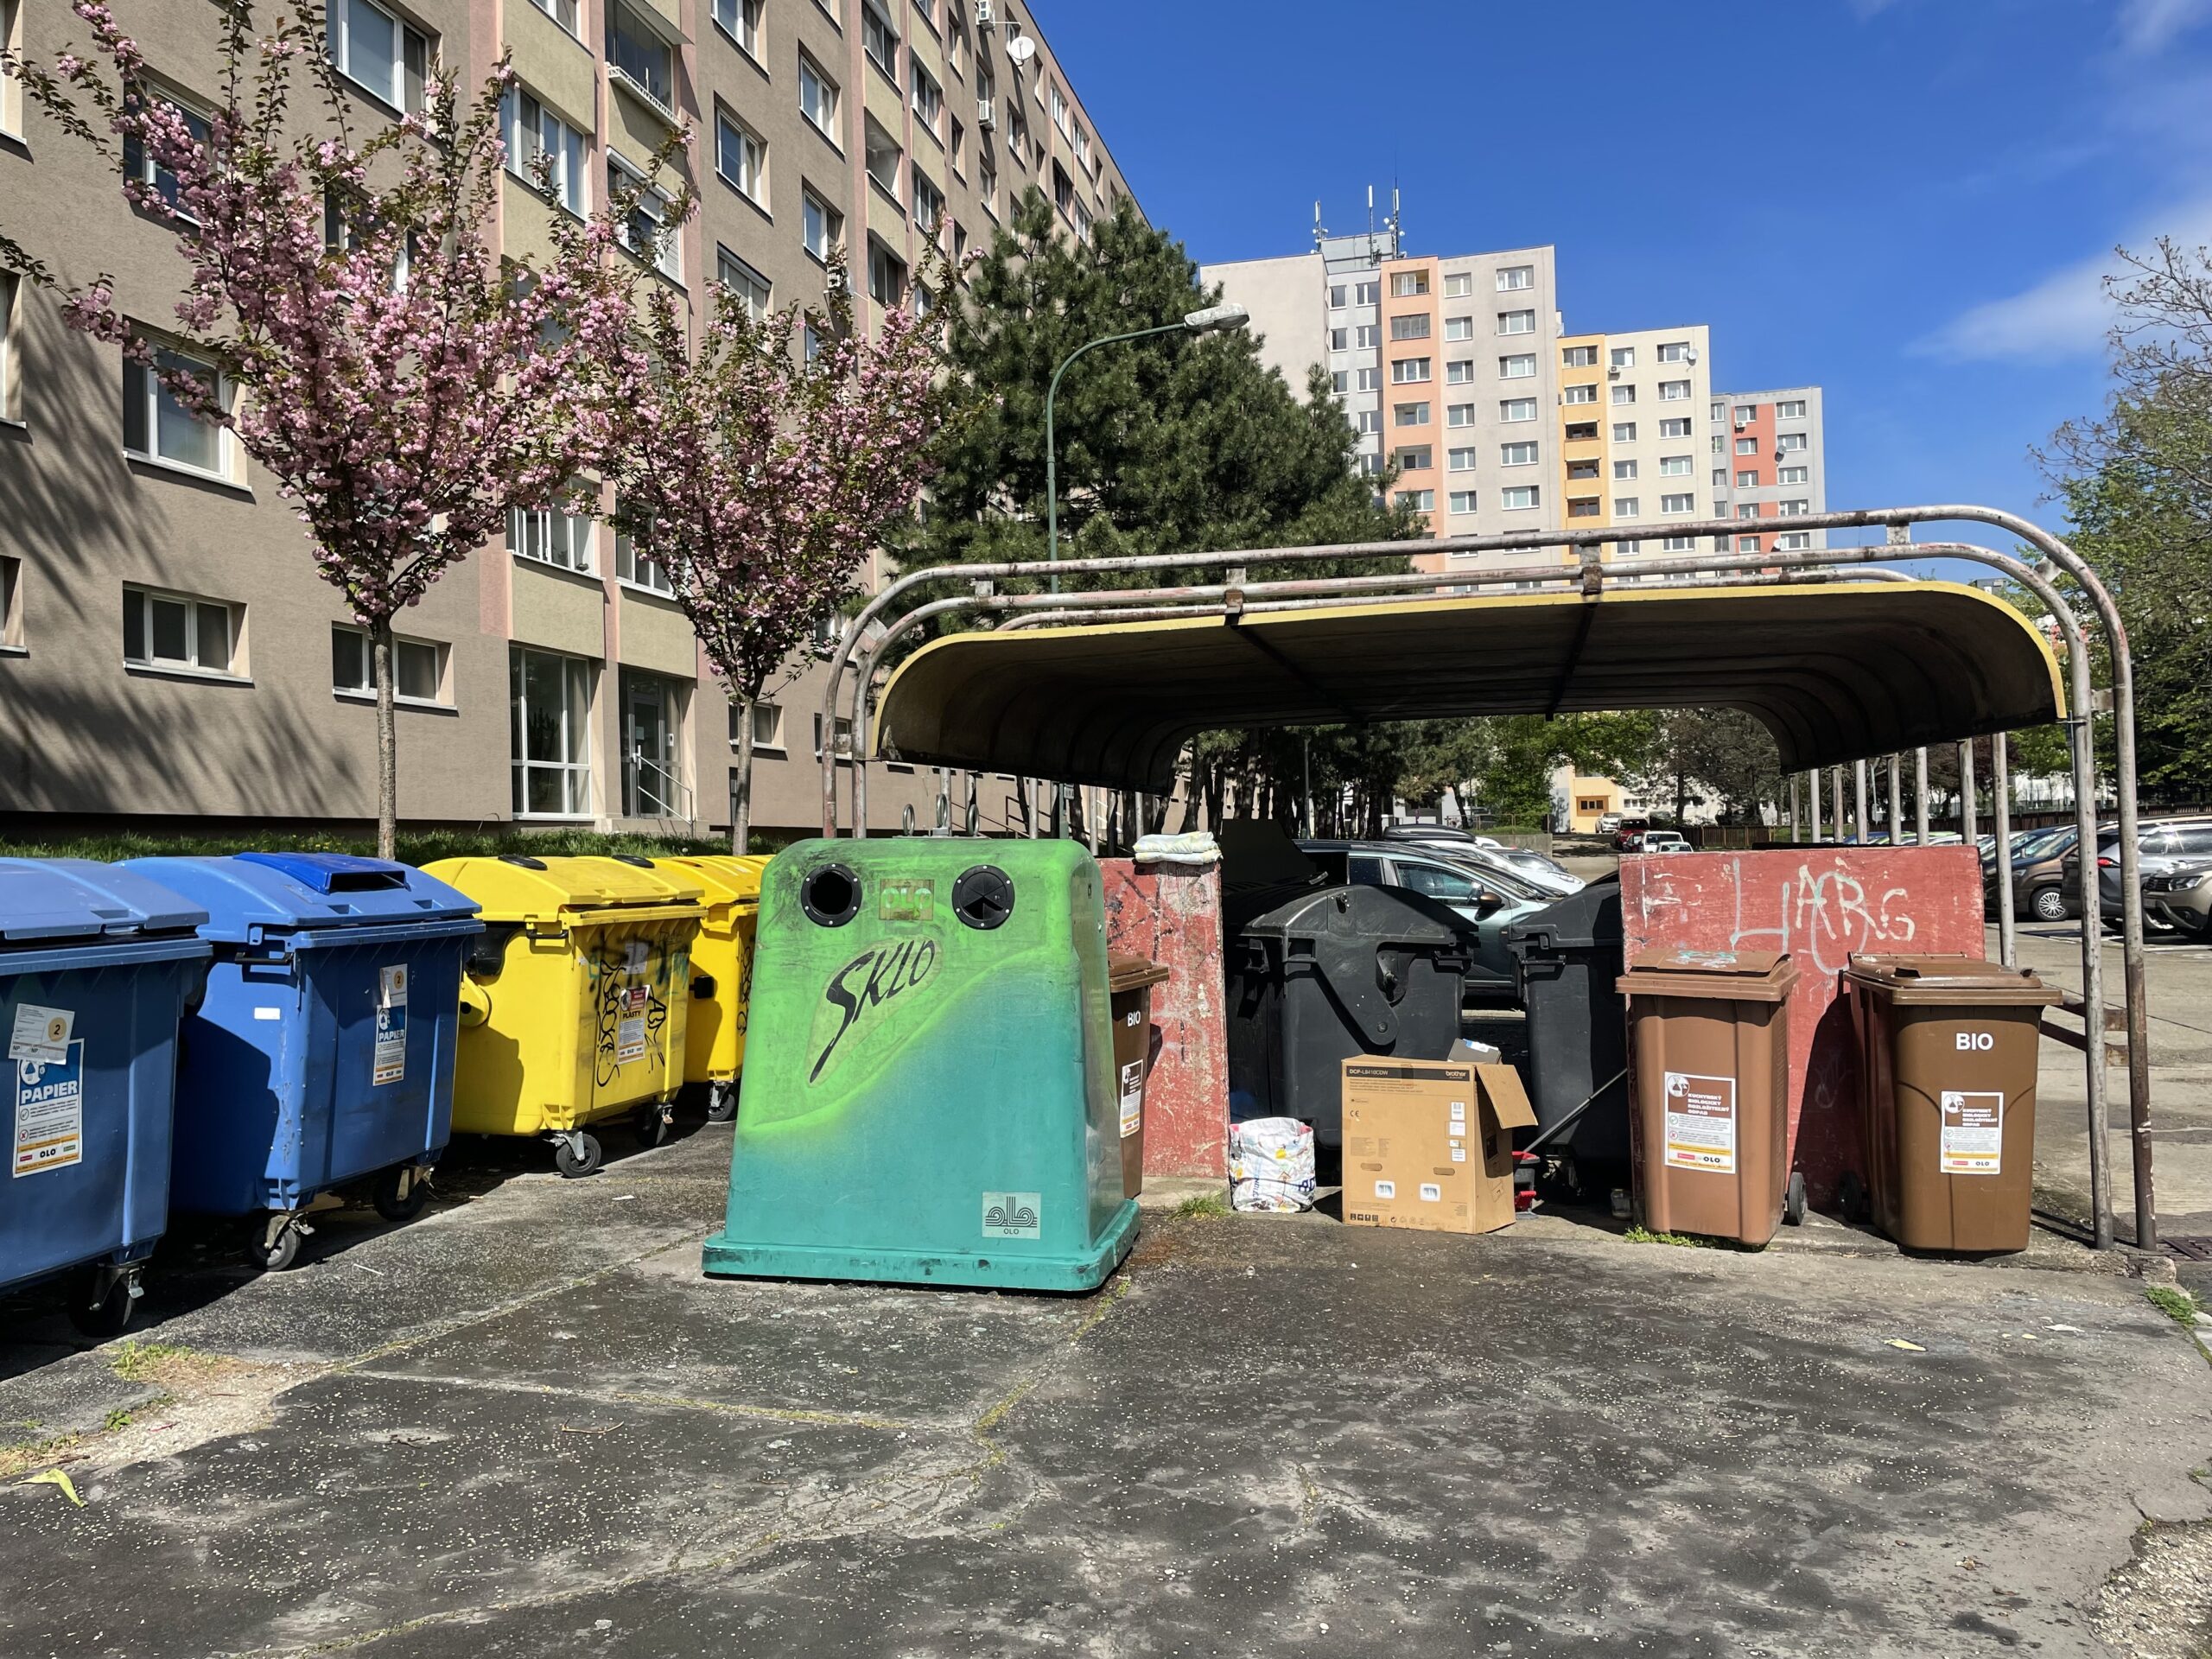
column 1724, row 976
column 1132, row 973
column 1959, row 980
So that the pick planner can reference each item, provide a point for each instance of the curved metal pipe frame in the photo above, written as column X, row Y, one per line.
column 1897, row 520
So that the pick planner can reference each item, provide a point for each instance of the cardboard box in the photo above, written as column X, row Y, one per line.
column 1429, row 1143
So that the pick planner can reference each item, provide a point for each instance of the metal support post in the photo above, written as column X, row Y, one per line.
column 2000, row 792
column 1969, row 826
column 1859, row 802
column 1920, row 796
column 1896, row 802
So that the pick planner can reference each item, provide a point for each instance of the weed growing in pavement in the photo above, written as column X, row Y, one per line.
column 1639, row 1234
column 139, row 1362
column 2176, row 1305
column 1204, row 1204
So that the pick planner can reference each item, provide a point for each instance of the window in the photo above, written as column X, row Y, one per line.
column 1458, row 285
column 1578, row 357
column 1792, row 411
column 640, row 58
column 1370, row 420
column 1517, row 409
column 1719, row 444
column 750, row 287
column 1340, row 382
column 138, row 164
column 1459, row 415
column 1461, row 460
column 1720, row 478
column 1370, row 465
column 987, row 184
column 1624, row 394
column 1520, row 496
column 1337, row 297
column 1516, row 323
column 646, row 229
column 178, row 632
column 1513, row 278
column 1419, row 500
column 549, row 702
column 1416, row 458
column 417, row 666
column 1366, row 293
column 1409, row 413
column 1622, row 357
column 1746, row 413
column 1627, row 506
column 1624, row 431
column 883, row 158
column 767, row 725
column 1517, row 454
column 1676, row 466
column 1747, row 446
column 157, row 426
column 1747, row 543
column 1674, row 351
column 1793, row 476
column 1795, row 508
column 1339, row 340
column 11, row 586
column 1058, row 104
column 1623, row 469
column 1674, row 426
column 929, row 204
column 886, row 275
column 928, row 96
column 1684, row 503
column 1578, row 394
column 879, row 39
column 1748, row 510
column 1796, row 541
column 741, row 158
column 818, row 99
column 377, row 52
column 550, row 535
column 1463, row 500
column 1747, row 480
column 821, row 227
column 1366, row 336
column 1578, row 507
column 1679, row 544
column 1461, row 372
column 1674, row 391
column 1406, row 371
column 10, row 397
column 1367, row 379
column 540, row 144
column 11, row 102
column 639, row 571
column 1406, row 284
column 741, row 20
column 1063, row 190
column 1458, row 327
column 1791, row 443
column 845, row 738
column 1522, row 367
column 959, row 150
column 1413, row 327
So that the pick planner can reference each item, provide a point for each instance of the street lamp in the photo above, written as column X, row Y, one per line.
column 1211, row 320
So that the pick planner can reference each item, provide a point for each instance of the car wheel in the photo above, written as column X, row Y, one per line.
column 2188, row 923
column 2047, row 904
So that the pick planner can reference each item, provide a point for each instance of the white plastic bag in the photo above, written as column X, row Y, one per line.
column 1197, row 849
column 1271, row 1164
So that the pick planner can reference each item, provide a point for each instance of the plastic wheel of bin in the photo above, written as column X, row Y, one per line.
column 106, row 1318
column 390, row 1201
column 652, row 1127
column 722, row 1102
column 2047, row 904
column 272, row 1258
column 572, row 1164
column 1793, row 1200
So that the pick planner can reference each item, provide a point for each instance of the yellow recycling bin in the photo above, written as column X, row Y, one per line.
column 573, row 1008
column 721, row 973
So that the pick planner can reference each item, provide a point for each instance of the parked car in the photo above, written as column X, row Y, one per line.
column 2040, row 889
column 1627, row 828
column 1488, row 899
column 1482, row 850
column 1443, row 834
column 1662, row 840
column 2162, row 845
column 2181, row 896
column 1609, row 824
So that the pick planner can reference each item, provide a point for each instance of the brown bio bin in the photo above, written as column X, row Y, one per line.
column 1709, row 1047
column 1129, row 981
column 1947, row 1055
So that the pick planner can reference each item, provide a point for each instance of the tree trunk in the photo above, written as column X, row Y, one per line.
column 740, row 793
column 387, row 745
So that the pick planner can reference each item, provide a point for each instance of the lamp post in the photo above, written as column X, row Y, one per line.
column 1211, row 320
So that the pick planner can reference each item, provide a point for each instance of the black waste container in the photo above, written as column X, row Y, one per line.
column 1568, row 956
column 1330, row 973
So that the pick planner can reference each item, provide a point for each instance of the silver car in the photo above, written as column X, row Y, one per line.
column 2182, row 897
column 1488, row 899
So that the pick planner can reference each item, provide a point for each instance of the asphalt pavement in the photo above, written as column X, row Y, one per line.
column 525, row 1425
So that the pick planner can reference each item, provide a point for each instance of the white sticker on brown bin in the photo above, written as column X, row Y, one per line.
column 1701, row 1123
column 1132, row 1098
column 1972, row 1140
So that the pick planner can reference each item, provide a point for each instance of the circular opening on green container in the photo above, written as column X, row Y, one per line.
column 831, row 895
column 983, row 897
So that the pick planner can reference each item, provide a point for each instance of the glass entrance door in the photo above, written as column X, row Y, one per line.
column 651, row 785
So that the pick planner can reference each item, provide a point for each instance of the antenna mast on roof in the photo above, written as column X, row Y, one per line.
column 1320, row 231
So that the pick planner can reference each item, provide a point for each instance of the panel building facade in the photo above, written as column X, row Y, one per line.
column 167, row 651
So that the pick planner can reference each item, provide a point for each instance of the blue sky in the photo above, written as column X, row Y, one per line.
column 1909, row 202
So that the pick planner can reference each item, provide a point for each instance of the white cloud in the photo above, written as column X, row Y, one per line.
column 2066, row 315
column 2148, row 26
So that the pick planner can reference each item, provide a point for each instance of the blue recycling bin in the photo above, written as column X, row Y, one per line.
column 322, row 1054
column 97, row 967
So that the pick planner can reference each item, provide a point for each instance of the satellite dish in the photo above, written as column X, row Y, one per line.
column 1019, row 50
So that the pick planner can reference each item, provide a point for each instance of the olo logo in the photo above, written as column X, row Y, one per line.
column 1975, row 1041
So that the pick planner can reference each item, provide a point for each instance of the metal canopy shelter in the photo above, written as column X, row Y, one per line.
column 1836, row 672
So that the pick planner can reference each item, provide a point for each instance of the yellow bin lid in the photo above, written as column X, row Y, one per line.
column 517, row 888
column 727, row 878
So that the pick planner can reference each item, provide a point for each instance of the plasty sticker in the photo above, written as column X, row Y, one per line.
column 49, row 1112
column 1014, row 1215
column 1701, row 1123
column 40, row 1033
column 1973, row 1140
column 389, row 1062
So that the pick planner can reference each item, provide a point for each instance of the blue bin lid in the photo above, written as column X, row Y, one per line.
column 43, row 899
column 285, row 891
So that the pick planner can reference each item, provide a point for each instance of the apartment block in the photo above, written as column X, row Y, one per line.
column 1633, row 431
column 167, row 651
column 1768, row 462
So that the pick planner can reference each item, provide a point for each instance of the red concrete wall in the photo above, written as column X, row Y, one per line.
column 1823, row 906
column 1172, row 916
